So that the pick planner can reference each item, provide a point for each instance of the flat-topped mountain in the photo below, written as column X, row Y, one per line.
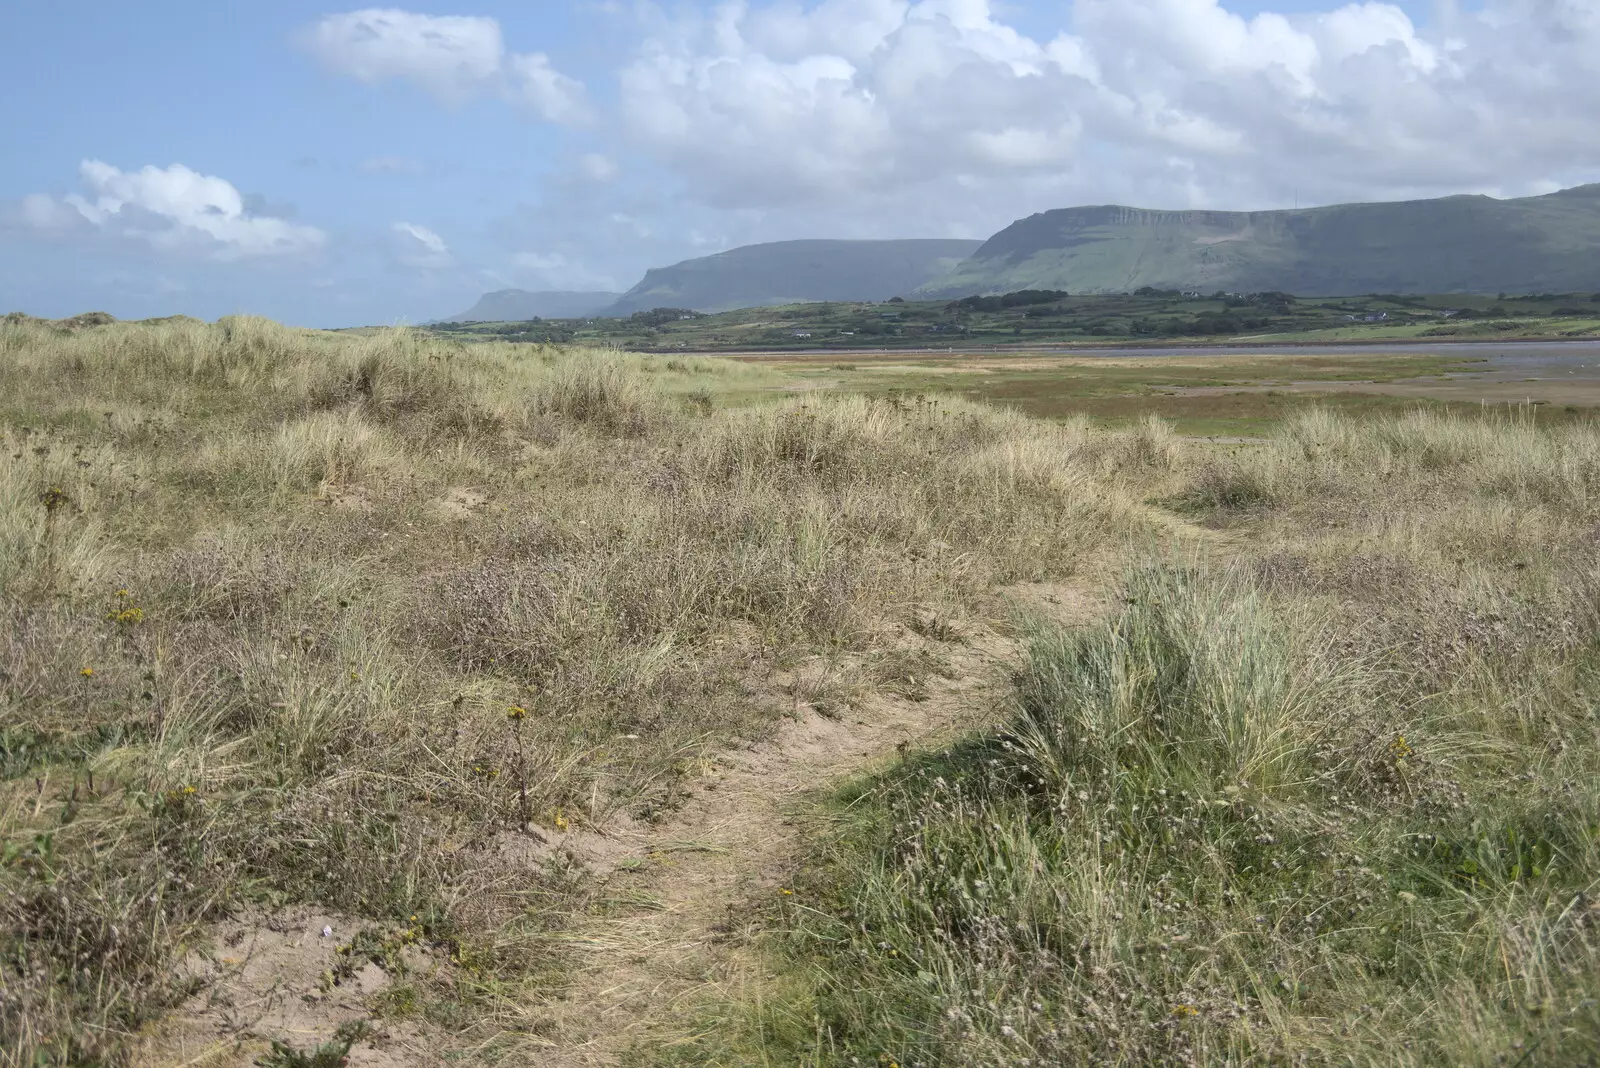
column 789, row 272
column 1458, row 244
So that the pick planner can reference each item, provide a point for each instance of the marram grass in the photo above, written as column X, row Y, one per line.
column 1334, row 802
column 266, row 596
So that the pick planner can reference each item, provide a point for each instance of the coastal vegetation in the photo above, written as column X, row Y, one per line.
column 387, row 695
column 1031, row 318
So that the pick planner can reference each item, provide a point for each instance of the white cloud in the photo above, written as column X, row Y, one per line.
column 540, row 261
column 632, row 224
column 46, row 212
column 553, row 270
column 749, row 120
column 774, row 104
column 538, row 86
column 845, row 103
column 171, row 208
column 418, row 246
column 598, row 167
column 454, row 57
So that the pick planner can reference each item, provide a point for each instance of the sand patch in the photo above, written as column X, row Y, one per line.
column 677, row 930
column 460, row 503
column 288, row 976
column 344, row 498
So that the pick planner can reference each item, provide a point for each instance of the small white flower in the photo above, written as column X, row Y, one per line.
column 327, row 932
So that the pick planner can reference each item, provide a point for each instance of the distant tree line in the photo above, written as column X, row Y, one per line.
column 1021, row 298
column 532, row 331
column 1205, row 323
column 662, row 316
column 1398, row 299
column 1276, row 299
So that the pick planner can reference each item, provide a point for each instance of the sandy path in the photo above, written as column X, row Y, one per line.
column 672, row 931
column 643, row 972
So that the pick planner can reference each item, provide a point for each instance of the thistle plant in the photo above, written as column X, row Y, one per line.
column 516, row 715
column 54, row 500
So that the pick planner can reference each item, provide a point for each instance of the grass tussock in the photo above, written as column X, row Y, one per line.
column 1320, row 455
column 1206, row 839
column 295, row 617
column 1332, row 803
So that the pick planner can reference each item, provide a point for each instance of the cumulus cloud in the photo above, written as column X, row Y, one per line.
column 456, row 58
column 43, row 212
column 418, row 246
column 778, row 104
column 761, row 104
column 598, row 167
column 749, row 120
column 172, row 208
column 536, row 85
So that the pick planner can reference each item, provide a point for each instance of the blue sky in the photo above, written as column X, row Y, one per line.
column 333, row 165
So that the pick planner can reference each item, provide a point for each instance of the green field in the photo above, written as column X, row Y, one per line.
column 1042, row 318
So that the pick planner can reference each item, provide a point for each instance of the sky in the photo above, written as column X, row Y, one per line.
column 335, row 166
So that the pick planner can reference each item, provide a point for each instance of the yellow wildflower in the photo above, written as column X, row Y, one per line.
column 516, row 713
column 87, row 672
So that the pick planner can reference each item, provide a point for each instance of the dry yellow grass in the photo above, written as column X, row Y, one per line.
column 297, row 625
column 270, row 598
column 1334, row 802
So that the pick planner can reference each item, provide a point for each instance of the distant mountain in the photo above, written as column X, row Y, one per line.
column 789, row 272
column 515, row 305
column 1459, row 244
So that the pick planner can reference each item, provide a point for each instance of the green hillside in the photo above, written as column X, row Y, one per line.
column 1459, row 244
column 788, row 272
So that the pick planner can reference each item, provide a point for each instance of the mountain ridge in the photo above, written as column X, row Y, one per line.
column 788, row 272
column 1462, row 243
column 1467, row 243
